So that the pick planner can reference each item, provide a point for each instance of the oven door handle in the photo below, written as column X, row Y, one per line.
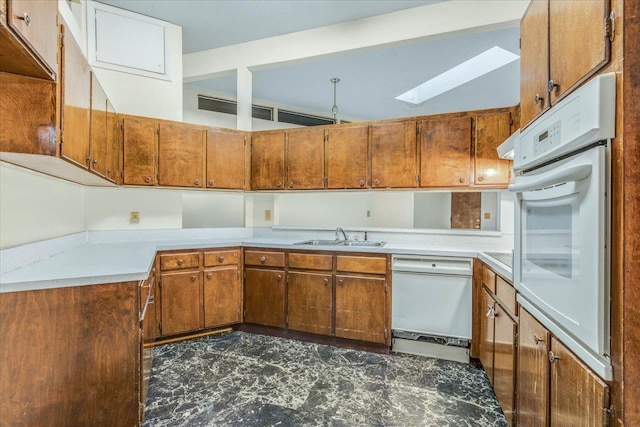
column 558, row 176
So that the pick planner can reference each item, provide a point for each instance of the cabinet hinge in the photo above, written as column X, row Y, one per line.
column 286, row 319
column 160, row 327
column 244, row 276
column 122, row 125
column 515, row 340
column 158, row 129
column 520, row 42
column 386, row 288
column 417, row 178
column 245, row 313
column 510, row 120
column 610, row 26
column 386, row 334
column 419, row 128
column 607, row 416
column 239, row 315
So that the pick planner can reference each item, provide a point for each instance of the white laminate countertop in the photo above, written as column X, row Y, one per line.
column 95, row 262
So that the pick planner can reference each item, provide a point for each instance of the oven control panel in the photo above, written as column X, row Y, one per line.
column 547, row 140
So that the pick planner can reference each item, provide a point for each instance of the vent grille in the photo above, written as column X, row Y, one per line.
column 220, row 105
column 285, row 116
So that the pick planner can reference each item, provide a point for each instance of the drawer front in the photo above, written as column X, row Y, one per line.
column 214, row 258
column 359, row 264
column 311, row 261
column 506, row 294
column 180, row 261
column 268, row 259
column 489, row 279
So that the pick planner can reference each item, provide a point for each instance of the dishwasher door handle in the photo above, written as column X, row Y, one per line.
column 431, row 273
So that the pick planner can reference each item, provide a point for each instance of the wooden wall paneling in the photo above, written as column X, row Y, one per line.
column 445, row 146
column 28, row 111
column 310, row 302
column 139, row 150
column 76, row 103
column 180, row 155
column 305, row 158
column 73, row 357
column 225, row 159
column 466, row 210
column 393, row 155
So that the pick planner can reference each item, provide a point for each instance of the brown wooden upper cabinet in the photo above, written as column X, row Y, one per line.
column 29, row 38
column 267, row 160
column 139, row 150
column 75, row 103
column 578, row 46
column 98, row 146
column 226, row 159
column 394, row 155
column 305, row 158
column 445, row 152
column 180, row 155
column 114, row 145
column 491, row 131
column 347, row 155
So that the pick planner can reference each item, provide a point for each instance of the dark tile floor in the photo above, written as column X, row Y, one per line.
column 255, row 380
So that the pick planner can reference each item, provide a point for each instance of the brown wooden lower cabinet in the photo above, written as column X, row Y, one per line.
column 504, row 362
column 361, row 308
column 487, row 333
column 222, row 296
column 73, row 358
column 310, row 299
column 181, row 303
column 264, row 297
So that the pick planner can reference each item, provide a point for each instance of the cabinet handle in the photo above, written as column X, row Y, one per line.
column 147, row 179
column 375, row 182
column 340, row 282
column 462, row 180
column 209, row 275
column 552, row 85
column 94, row 161
column 326, row 281
column 193, row 278
column 290, row 184
column 480, row 178
column 361, row 183
column 220, row 259
column 211, row 182
column 196, row 182
column 553, row 357
column 489, row 311
column 263, row 259
column 26, row 18
column 279, row 184
column 152, row 299
column 537, row 339
column 538, row 98
column 180, row 262
column 279, row 276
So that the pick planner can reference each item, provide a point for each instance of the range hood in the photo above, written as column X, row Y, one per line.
column 505, row 150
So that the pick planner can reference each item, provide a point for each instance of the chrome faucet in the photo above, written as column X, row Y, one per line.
column 340, row 230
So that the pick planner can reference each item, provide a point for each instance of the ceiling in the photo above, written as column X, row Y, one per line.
column 370, row 79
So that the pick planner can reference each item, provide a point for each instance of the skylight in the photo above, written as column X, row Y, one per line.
column 484, row 63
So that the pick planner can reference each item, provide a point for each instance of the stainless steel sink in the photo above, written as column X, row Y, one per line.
column 364, row 243
column 320, row 242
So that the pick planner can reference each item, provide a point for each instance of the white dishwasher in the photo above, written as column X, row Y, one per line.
column 431, row 306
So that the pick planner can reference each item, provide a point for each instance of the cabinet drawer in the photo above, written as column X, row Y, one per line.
column 311, row 261
column 506, row 294
column 179, row 261
column 489, row 279
column 358, row 264
column 211, row 259
column 270, row 259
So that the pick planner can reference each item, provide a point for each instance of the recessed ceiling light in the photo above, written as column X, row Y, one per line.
column 471, row 69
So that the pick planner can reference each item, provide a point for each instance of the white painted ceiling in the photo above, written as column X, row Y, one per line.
column 370, row 79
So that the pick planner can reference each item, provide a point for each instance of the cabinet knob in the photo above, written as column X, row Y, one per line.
column 94, row 161
column 196, row 182
column 279, row 276
column 211, row 182
column 537, row 339
column 263, row 259
column 340, row 282
column 147, row 179
column 538, row 98
column 552, row 85
column 193, row 278
column 290, row 184
column 26, row 18
column 220, row 259
column 209, row 275
column 361, row 183
column 326, row 281
column 489, row 311
column 152, row 299
column 376, row 182
column 553, row 357
column 480, row 178
column 180, row 261
column 462, row 180
column 279, row 184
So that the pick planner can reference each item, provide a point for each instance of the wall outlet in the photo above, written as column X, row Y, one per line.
column 487, row 215
column 267, row 215
column 134, row 218
column 368, row 214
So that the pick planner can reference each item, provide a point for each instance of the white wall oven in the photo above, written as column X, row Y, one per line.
column 561, row 250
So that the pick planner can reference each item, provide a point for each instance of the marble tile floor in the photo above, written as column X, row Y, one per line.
column 243, row 379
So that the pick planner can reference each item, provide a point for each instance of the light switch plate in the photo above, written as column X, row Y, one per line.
column 134, row 218
column 267, row 215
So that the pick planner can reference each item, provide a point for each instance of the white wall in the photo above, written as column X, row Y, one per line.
column 203, row 209
column 110, row 208
column 335, row 209
column 35, row 207
column 432, row 210
column 392, row 209
column 255, row 206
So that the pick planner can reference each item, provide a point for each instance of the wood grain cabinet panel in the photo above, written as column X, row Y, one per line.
column 361, row 264
column 489, row 278
column 504, row 362
column 394, row 155
column 445, row 152
column 305, row 159
column 183, row 260
column 225, row 159
column 534, row 60
column 73, row 357
column 139, row 150
column 264, row 297
column 267, row 160
column 578, row 397
column 181, row 302
column 310, row 261
column 264, row 258
column 487, row 334
column 347, row 148
column 578, row 44
column 114, row 145
column 76, row 104
column 222, row 296
column 361, row 308
column 218, row 258
column 533, row 372
column 491, row 131
column 180, row 155
column 98, row 149
column 310, row 302
column 29, row 38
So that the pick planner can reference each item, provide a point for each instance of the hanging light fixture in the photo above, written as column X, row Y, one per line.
column 334, row 109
